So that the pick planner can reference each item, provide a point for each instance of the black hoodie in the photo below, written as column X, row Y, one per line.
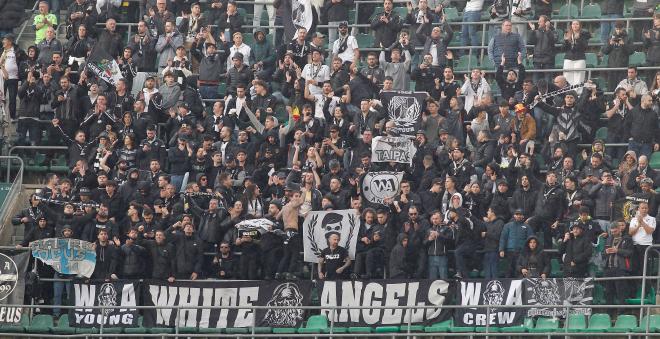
column 398, row 266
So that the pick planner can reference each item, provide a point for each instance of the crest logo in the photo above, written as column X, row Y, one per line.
column 8, row 276
column 404, row 111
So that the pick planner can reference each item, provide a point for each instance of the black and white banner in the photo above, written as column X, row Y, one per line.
column 224, row 300
column 393, row 149
column 298, row 14
column 378, row 186
column 405, row 109
column 567, row 291
column 13, row 266
column 490, row 292
column 319, row 225
column 117, row 296
column 351, row 294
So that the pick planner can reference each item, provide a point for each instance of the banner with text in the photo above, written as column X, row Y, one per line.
column 319, row 225
column 405, row 109
column 224, row 299
column 490, row 292
column 66, row 256
column 393, row 149
column 13, row 266
column 351, row 294
column 567, row 291
column 378, row 186
column 110, row 294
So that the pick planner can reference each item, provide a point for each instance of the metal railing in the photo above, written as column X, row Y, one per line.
column 27, row 20
column 15, row 188
column 332, row 310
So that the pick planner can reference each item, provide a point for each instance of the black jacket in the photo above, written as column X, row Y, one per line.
column 209, row 227
column 544, row 45
column 535, row 262
column 38, row 233
column 386, row 33
column 133, row 259
column 550, row 203
column 575, row 49
column 493, row 231
column 189, row 254
column 577, row 250
column 525, row 200
column 106, row 261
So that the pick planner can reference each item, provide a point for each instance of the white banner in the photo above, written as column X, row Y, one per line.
column 378, row 186
column 319, row 224
column 396, row 149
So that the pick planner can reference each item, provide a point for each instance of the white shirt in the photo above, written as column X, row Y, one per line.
column 318, row 73
column 10, row 63
column 244, row 49
column 523, row 5
column 641, row 237
column 474, row 6
column 434, row 54
column 349, row 53
column 320, row 102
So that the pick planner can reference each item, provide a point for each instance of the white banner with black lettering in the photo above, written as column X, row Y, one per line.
column 490, row 292
column 228, row 303
column 319, row 225
column 378, row 186
column 567, row 291
column 110, row 294
column 393, row 149
column 350, row 294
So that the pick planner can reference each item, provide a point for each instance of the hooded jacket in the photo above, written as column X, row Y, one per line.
column 513, row 236
column 536, row 262
column 577, row 250
column 524, row 200
column 397, row 262
column 493, row 233
column 189, row 253
column 106, row 261
column 544, row 45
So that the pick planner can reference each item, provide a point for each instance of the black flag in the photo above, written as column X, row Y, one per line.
column 405, row 109
column 101, row 63
column 298, row 14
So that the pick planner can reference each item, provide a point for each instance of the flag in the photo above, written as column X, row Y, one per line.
column 101, row 63
column 299, row 14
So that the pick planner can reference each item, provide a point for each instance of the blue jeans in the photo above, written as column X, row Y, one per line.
column 606, row 27
column 469, row 33
column 640, row 148
column 58, row 290
column 437, row 267
column 491, row 260
column 536, row 76
column 208, row 92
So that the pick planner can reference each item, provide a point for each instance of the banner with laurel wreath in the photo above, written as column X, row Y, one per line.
column 319, row 225
column 405, row 109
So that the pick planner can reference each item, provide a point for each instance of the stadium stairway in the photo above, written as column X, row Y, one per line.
column 10, row 234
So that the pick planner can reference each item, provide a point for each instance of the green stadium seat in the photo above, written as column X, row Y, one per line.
column 595, row 36
column 359, row 329
column 599, row 294
column 489, row 329
column 315, row 324
column 365, row 40
column 248, row 39
column 527, row 324
column 637, row 59
column 545, row 325
column 413, row 328
column 599, row 322
column 242, row 12
column 592, row 60
column 624, row 324
column 222, row 88
column 576, row 323
column 559, row 60
column 19, row 328
column 386, row 329
column 555, row 268
column 237, row 330
column 134, row 330
column 487, row 64
column 460, row 329
column 637, row 300
column 440, row 327
column 451, row 14
column 188, row 330
column 352, row 16
column 377, row 10
column 466, row 63
column 653, row 326
column 63, row 326
column 337, row 329
column 284, row 330
column 655, row 160
column 210, row 330
column 591, row 11
column 401, row 11
column 601, row 133
column 567, row 12
column 160, row 330
column 41, row 323
column 455, row 40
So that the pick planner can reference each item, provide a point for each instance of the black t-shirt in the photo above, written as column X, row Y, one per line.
column 333, row 260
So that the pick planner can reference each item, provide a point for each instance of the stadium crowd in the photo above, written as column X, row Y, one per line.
column 223, row 130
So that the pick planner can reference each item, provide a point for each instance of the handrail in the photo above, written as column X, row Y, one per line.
column 656, row 249
column 27, row 21
column 11, row 150
column 15, row 189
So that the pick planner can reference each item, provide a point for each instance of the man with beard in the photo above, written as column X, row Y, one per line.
column 210, row 230
column 373, row 72
column 100, row 222
column 618, row 252
column 28, row 216
column 461, row 169
column 188, row 249
column 604, row 195
column 576, row 250
column 292, row 240
column 512, row 240
column 346, row 46
column 576, row 198
column 107, row 257
column 151, row 148
column 641, row 172
column 132, row 257
column 144, row 48
column 550, row 204
column 415, row 228
column 426, row 74
column 334, row 259
column 161, row 254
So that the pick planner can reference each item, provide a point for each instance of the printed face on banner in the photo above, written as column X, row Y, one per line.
column 494, row 292
column 567, row 291
column 8, row 276
column 286, row 294
column 378, row 186
column 319, row 225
